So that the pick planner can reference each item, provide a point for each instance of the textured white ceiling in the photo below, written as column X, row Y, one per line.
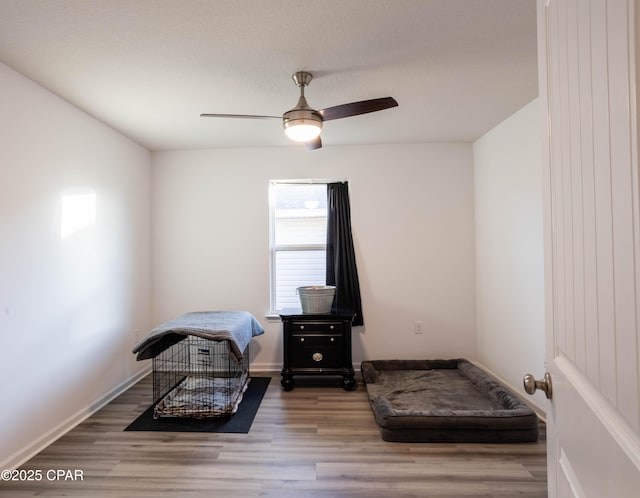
column 149, row 67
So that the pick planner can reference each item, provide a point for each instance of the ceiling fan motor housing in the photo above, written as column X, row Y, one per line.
column 307, row 124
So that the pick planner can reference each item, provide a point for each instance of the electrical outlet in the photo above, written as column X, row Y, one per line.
column 417, row 327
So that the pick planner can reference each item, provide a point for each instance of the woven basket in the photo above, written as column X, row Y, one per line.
column 316, row 299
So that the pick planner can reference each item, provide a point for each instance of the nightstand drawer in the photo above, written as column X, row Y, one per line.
column 316, row 351
column 317, row 357
column 310, row 327
column 316, row 340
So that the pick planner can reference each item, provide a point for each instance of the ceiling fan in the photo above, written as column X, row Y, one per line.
column 303, row 124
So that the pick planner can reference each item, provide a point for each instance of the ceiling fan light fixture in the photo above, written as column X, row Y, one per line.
column 302, row 125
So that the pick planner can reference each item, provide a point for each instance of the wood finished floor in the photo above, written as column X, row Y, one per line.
column 311, row 442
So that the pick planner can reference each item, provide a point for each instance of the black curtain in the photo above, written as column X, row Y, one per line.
column 341, row 256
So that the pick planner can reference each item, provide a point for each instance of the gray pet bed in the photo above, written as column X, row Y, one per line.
column 444, row 401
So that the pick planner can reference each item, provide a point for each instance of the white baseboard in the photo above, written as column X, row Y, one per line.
column 20, row 457
column 264, row 367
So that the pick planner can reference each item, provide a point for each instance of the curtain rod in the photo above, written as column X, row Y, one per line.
column 311, row 181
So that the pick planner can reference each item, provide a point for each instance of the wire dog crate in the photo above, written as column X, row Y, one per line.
column 198, row 378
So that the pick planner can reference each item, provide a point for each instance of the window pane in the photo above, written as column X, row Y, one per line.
column 295, row 269
column 300, row 214
column 296, row 197
column 301, row 231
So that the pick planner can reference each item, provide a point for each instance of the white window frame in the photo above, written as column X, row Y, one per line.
column 273, row 248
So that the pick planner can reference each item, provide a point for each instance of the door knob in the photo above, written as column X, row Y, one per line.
column 531, row 384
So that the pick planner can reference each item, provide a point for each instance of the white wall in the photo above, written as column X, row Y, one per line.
column 509, row 248
column 68, row 307
column 412, row 216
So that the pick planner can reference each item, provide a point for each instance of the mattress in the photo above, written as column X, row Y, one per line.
column 445, row 401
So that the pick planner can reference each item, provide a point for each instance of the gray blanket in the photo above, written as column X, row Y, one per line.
column 236, row 327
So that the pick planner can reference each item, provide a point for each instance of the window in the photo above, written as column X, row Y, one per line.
column 298, row 216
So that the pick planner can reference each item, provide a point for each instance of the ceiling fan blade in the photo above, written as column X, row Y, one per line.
column 316, row 143
column 356, row 108
column 243, row 116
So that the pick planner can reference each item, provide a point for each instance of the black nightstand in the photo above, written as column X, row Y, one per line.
column 317, row 345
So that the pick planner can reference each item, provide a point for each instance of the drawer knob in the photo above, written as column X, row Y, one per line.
column 331, row 327
column 302, row 339
column 332, row 339
column 301, row 327
column 317, row 357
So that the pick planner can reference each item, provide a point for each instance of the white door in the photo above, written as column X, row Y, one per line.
column 588, row 54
